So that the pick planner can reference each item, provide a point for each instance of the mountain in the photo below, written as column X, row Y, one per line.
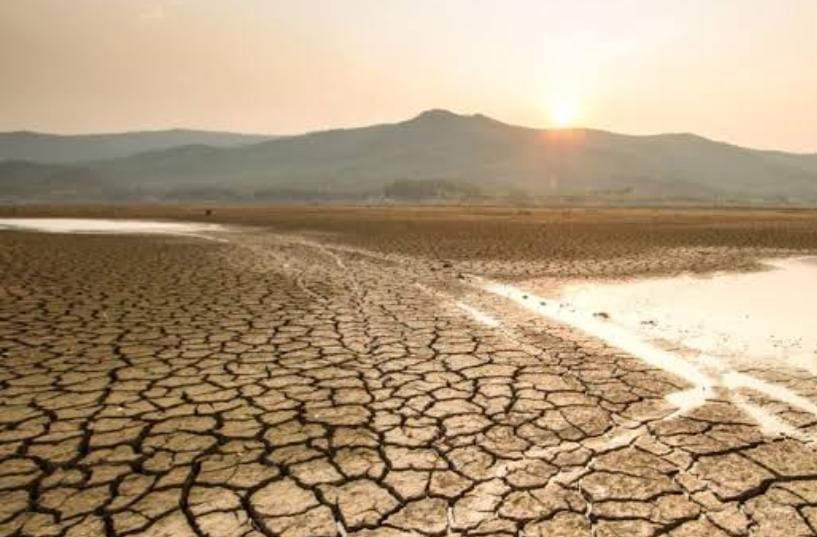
column 441, row 155
column 61, row 149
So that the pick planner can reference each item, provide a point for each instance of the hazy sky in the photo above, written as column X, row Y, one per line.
column 744, row 71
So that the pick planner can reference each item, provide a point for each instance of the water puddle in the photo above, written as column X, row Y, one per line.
column 764, row 318
column 105, row 226
column 612, row 334
column 705, row 330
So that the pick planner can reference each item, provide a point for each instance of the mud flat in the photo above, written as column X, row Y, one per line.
column 512, row 242
column 340, row 372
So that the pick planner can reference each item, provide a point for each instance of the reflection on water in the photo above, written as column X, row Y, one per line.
column 98, row 225
column 765, row 318
column 707, row 331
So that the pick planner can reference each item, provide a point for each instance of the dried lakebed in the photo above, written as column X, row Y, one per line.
column 275, row 385
column 706, row 330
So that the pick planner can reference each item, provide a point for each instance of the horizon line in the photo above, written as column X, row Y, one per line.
column 157, row 130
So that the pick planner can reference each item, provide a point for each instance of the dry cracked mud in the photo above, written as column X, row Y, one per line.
column 278, row 385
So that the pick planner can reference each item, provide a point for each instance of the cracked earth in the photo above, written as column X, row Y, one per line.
column 276, row 385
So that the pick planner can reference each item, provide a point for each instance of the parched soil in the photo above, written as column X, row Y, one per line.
column 520, row 242
column 316, row 375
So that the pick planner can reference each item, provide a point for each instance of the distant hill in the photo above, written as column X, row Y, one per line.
column 440, row 155
column 61, row 149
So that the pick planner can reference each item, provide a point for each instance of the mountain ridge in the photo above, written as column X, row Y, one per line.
column 444, row 155
column 66, row 148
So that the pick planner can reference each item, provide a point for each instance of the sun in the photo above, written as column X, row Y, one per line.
column 563, row 112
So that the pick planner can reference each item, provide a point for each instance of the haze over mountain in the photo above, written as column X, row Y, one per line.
column 58, row 148
column 437, row 155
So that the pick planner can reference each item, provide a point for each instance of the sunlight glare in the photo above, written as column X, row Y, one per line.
column 563, row 112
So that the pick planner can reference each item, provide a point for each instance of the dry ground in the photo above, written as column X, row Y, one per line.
column 313, row 376
column 519, row 242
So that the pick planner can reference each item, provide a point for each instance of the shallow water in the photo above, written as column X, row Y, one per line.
column 99, row 225
column 765, row 318
column 705, row 330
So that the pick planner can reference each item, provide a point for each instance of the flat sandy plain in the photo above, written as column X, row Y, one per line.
column 313, row 373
